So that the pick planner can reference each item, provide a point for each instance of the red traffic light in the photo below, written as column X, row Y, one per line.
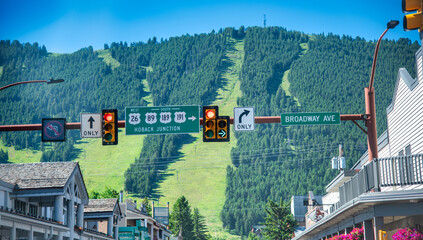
column 108, row 117
column 110, row 127
column 210, row 113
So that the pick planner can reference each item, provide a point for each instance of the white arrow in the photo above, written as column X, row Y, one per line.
column 192, row 118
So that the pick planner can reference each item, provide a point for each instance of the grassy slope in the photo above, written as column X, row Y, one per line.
column 285, row 81
column 107, row 58
column 201, row 174
column 21, row 156
column 147, row 98
column 105, row 165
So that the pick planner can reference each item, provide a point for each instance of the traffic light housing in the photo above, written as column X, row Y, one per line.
column 110, row 127
column 414, row 20
column 215, row 127
column 223, row 123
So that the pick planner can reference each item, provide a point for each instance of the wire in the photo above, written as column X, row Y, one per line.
column 215, row 167
column 216, row 160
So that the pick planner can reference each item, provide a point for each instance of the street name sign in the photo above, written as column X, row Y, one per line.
column 291, row 119
column 91, row 125
column 162, row 120
column 244, row 119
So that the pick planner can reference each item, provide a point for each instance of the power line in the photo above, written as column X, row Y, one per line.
column 243, row 157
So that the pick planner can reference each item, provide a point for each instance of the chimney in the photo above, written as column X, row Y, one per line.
column 121, row 196
column 152, row 206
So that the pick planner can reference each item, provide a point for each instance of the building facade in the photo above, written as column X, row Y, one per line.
column 138, row 220
column 43, row 201
column 385, row 194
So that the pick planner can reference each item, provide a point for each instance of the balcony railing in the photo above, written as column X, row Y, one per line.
column 382, row 172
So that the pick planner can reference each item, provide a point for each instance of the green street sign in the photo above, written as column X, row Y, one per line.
column 162, row 120
column 291, row 119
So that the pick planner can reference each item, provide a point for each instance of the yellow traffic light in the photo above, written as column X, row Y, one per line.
column 414, row 20
column 210, row 114
column 215, row 127
column 110, row 127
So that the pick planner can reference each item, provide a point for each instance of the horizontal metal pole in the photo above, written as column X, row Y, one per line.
column 121, row 124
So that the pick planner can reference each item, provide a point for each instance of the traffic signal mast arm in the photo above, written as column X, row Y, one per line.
column 121, row 124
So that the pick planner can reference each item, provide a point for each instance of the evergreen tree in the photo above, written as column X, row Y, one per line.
column 4, row 156
column 280, row 223
column 252, row 236
column 146, row 204
column 94, row 194
column 200, row 230
column 181, row 220
column 109, row 193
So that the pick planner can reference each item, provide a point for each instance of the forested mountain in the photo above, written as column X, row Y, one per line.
column 326, row 73
column 277, row 162
column 185, row 72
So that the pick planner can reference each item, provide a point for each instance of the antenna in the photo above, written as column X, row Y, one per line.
column 264, row 20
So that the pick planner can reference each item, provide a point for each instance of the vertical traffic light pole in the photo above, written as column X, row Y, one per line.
column 369, row 97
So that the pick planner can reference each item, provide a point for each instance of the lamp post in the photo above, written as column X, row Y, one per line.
column 49, row 81
column 369, row 95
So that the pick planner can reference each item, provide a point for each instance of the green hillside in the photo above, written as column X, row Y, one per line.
column 104, row 166
column 200, row 175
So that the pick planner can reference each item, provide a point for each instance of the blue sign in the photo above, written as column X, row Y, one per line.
column 53, row 130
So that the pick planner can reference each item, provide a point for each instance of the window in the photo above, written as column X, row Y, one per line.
column 20, row 206
column 33, row 210
column 408, row 150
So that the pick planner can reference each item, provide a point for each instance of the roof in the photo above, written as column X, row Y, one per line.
column 37, row 175
column 101, row 205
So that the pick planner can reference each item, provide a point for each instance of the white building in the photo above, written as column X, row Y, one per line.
column 387, row 193
column 43, row 201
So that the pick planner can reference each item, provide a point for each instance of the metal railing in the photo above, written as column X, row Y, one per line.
column 382, row 172
column 401, row 171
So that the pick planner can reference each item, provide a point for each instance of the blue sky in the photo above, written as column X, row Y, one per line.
column 66, row 26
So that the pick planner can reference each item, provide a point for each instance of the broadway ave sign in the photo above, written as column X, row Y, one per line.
column 291, row 119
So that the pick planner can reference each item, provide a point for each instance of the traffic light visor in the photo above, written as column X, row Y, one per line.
column 411, row 5
column 412, row 21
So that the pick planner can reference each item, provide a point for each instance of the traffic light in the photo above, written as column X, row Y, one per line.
column 110, row 127
column 414, row 20
column 215, row 127
column 210, row 114
column 223, row 123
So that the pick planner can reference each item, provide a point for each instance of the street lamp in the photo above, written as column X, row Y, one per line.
column 370, row 100
column 49, row 81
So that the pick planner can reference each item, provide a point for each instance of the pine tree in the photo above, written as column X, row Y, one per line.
column 181, row 219
column 200, row 230
column 280, row 223
column 4, row 156
column 146, row 204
